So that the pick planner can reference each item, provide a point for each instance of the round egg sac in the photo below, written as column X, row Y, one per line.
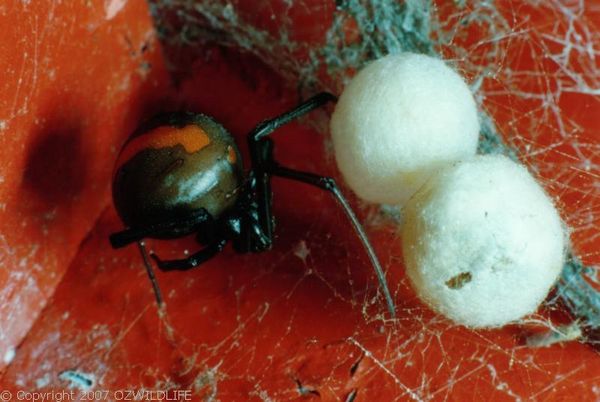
column 483, row 243
column 398, row 120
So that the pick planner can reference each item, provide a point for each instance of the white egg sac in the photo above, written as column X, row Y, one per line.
column 399, row 119
column 483, row 243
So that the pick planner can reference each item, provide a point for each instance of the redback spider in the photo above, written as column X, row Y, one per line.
column 182, row 173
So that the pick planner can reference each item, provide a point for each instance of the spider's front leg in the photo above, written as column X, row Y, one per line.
column 192, row 261
column 264, row 167
column 261, row 153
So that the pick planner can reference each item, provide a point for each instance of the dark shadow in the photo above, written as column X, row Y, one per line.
column 55, row 171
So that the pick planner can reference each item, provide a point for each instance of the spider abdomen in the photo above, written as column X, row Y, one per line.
column 175, row 164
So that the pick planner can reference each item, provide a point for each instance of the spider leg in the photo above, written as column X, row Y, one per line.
column 192, row 261
column 268, row 126
column 261, row 153
column 150, row 273
column 264, row 166
column 329, row 184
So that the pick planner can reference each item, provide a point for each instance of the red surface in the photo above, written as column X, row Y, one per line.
column 282, row 325
column 74, row 83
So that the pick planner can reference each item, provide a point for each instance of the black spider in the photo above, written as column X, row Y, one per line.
column 182, row 173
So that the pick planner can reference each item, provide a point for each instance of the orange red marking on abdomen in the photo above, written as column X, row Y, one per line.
column 192, row 137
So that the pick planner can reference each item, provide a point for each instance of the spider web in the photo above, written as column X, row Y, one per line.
column 534, row 70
